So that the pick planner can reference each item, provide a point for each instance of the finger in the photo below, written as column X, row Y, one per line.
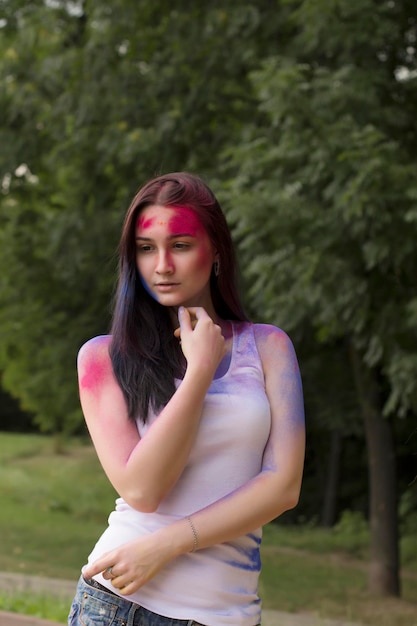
column 129, row 588
column 109, row 574
column 198, row 312
column 184, row 318
column 124, row 586
column 177, row 331
column 99, row 566
column 118, row 582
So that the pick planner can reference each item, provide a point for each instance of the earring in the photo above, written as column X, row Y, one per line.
column 216, row 267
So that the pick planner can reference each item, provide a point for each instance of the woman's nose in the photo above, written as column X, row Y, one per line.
column 164, row 263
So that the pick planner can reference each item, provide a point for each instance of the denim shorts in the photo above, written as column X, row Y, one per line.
column 94, row 605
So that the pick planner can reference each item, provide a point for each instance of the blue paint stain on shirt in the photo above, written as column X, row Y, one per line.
column 251, row 557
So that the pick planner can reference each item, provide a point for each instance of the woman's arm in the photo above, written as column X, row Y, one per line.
column 142, row 471
column 265, row 497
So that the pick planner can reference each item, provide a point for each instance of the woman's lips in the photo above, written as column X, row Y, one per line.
column 166, row 286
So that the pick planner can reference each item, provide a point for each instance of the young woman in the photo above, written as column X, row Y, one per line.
column 197, row 419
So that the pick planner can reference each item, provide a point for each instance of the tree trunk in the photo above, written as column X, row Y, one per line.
column 383, row 506
column 328, row 516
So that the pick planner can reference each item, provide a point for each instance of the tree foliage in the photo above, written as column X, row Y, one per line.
column 97, row 99
column 331, row 173
column 324, row 192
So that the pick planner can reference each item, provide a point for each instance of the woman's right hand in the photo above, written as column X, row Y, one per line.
column 132, row 564
column 202, row 342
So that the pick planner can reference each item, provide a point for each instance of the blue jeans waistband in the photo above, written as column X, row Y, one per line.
column 94, row 604
column 93, row 583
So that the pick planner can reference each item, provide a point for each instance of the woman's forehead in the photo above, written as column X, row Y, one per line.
column 178, row 220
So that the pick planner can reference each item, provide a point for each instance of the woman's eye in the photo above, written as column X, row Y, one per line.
column 179, row 245
column 145, row 248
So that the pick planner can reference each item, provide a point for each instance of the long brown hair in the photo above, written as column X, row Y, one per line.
column 145, row 355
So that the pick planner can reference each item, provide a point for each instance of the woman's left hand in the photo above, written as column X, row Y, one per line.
column 130, row 565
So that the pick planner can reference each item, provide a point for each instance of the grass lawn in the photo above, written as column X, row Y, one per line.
column 55, row 507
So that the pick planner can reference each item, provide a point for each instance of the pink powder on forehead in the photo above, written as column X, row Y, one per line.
column 144, row 222
column 185, row 221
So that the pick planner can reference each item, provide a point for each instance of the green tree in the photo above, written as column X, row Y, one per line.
column 324, row 191
column 97, row 98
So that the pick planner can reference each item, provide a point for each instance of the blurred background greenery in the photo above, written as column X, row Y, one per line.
column 55, row 506
column 301, row 117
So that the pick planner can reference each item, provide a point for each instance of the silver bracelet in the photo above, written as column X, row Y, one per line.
column 195, row 536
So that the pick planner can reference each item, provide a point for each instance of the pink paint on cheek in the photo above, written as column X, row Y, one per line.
column 185, row 221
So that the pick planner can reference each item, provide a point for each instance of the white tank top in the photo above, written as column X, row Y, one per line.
column 216, row 586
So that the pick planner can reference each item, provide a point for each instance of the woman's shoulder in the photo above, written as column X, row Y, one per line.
column 271, row 340
column 94, row 358
column 95, row 346
column 268, row 330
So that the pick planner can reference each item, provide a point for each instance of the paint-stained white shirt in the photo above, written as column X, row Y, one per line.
column 217, row 586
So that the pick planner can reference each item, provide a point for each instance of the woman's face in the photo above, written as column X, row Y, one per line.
column 174, row 256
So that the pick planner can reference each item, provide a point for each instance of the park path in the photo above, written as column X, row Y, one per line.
column 65, row 589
